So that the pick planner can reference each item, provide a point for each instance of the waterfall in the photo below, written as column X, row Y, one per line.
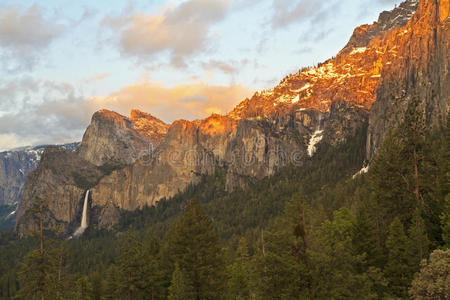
column 315, row 138
column 84, row 223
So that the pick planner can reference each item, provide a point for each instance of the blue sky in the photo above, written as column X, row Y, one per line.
column 60, row 61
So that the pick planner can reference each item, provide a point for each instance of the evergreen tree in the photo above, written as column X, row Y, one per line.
column 390, row 184
column 239, row 273
column 418, row 242
column 195, row 247
column 397, row 268
column 40, row 275
column 180, row 288
column 335, row 266
column 152, row 271
column 140, row 275
column 366, row 242
column 112, row 280
column 84, row 289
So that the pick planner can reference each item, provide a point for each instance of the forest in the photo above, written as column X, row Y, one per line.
column 308, row 232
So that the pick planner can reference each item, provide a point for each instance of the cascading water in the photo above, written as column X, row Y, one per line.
column 84, row 224
column 315, row 138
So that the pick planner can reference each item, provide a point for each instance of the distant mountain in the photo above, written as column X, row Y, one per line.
column 367, row 88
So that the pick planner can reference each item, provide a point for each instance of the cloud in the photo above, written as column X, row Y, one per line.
column 186, row 101
column 98, row 77
column 17, row 93
column 24, row 34
column 60, row 116
column 180, row 31
column 288, row 12
column 231, row 67
column 63, row 114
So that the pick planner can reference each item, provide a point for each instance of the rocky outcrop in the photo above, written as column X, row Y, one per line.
column 14, row 167
column 61, row 181
column 113, row 138
column 388, row 20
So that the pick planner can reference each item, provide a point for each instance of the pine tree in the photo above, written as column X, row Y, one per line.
column 195, row 247
column 335, row 266
column 397, row 269
column 239, row 273
column 418, row 242
column 112, row 280
column 84, row 288
column 180, row 288
column 139, row 270
column 365, row 240
column 390, row 184
column 40, row 273
column 152, row 272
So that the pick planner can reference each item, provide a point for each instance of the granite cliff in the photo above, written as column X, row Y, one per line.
column 15, row 165
column 113, row 138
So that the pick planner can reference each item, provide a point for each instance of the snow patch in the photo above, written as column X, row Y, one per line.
column 358, row 50
column 315, row 139
column 305, row 87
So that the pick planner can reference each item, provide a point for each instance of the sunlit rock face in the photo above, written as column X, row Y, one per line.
column 112, row 137
column 354, row 75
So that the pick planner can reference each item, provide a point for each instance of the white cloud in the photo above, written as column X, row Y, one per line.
column 179, row 31
column 24, row 34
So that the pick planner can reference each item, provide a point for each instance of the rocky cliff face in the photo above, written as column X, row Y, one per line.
column 113, row 138
column 418, row 70
column 60, row 180
column 326, row 104
column 14, row 167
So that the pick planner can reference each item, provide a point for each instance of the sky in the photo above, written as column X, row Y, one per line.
column 62, row 60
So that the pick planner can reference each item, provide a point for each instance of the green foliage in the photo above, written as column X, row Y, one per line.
column 335, row 265
column 85, row 181
column 396, row 269
column 418, row 241
column 433, row 280
column 180, row 288
column 195, row 247
column 239, row 273
column 108, row 167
